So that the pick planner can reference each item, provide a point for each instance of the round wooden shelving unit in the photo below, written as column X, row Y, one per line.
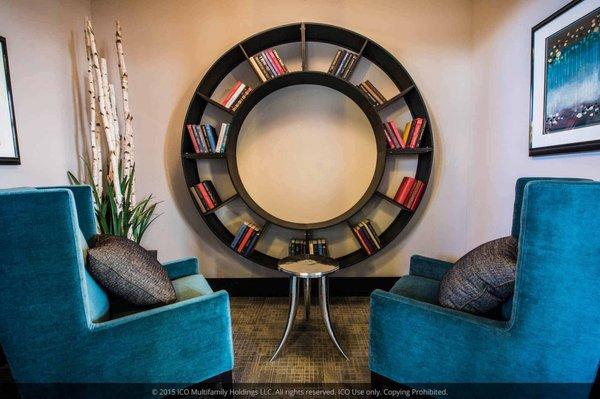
column 313, row 32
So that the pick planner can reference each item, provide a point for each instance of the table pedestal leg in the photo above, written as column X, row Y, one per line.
column 324, row 302
column 291, row 315
column 307, row 298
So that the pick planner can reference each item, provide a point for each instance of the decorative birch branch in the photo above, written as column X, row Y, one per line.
column 95, row 143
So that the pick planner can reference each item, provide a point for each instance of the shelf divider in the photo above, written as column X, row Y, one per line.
column 205, row 155
column 395, row 98
column 214, row 103
column 303, row 49
column 222, row 204
column 391, row 201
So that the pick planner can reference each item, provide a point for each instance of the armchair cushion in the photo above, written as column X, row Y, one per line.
column 191, row 286
column 127, row 270
column 482, row 279
column 418, row 288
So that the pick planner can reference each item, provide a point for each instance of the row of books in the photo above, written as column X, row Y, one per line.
column 343, row 64
column 410, row 192
column 206, row 196
column 410, row 137
column 375, row 97
column 267, row 65
column 308, row 247
column 367, row 237
column 246, row 238
column 236, row 95
column 205, row 139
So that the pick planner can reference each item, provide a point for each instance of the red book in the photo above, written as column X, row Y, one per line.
column 274, row 61
column 206, row 196
column 245, row 239
column 390, row 142
column 394, row 129
column 361, row 240
column 416, row 132
column 415, row 195
column 404, row 190
column 365, row 236
column 230, row 93
column 193, row 139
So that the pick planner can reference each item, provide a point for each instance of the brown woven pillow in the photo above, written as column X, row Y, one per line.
column 128, row 271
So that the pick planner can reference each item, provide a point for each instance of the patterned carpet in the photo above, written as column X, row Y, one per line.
column 309, row 355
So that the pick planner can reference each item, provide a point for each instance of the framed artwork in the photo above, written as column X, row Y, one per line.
column 565, row 80
column 9, row 146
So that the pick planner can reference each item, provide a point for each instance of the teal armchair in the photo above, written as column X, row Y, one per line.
column 550, row 329
column 56, row 323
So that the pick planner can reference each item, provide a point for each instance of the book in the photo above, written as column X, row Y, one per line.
column 241, row 231
column 307, row 247
column 335, row 62
column 252, row 242
column 415, row 195
column 212, row 191
column 403, row 192
column 264, row 66
column 235, row 95
column 417, row 134
column 367, row 245
column 241, row 99
column 376, row 92
column 394, row 129
column 204, row 137
column 208, row 200
column 372, row 234
column 372, row 99
column 211, row 134
column 389, row 133
column 270, row 64
column 231, row 92
column 406, row 133
column 202, row 199
column 280, row 62
column 349, row 67
column 222, row 138
column 200, row 138
column 261, row 75
column 246, row 237
column 197, row 199
column 274, row 62
column 195, row 145
column 343, row 62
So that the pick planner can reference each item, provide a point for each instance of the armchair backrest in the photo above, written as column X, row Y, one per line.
column 46, row 295
column 557, row 291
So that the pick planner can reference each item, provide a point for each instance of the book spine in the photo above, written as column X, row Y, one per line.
column 325, row 248
column 264, row 66
column 257, row 70
column 392, row 136
column 272, row 67
column 276, row 54
column 238, row 236
column 343, row 63
column 236, row 95
column 220, row 139
column 230, row 92
column 416, row 132
column 211, row 135
column 371, row 92
column 370, row 247
column 252, row 242
column 421, row 131
column 378, row 94
column 415, row 197
column 360, row 240
column 335, row 61
column 275, row 62
column 197, row 199
column 240, row 100
column 373, row 234
column 390, row 143
column 406, row 133
column 245, row 239
column 212, row 191
column 224, row 143
column 212, row 197
column 394, row 129
column 202, row 200
column 366, row 93
column 350, row 67
column 206, row 196
column 190, row 130
column 200, row 138
column 404, row 190
column 204, row 137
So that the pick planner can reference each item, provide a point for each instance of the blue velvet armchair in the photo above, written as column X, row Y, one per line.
column 56, row 324
column 550, row 332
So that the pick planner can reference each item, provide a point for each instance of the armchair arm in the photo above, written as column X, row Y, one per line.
column 187, row 341
column 428, row 267
column 181, row 267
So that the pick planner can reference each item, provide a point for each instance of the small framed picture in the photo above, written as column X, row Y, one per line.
column 565, row 81
column 9, row 146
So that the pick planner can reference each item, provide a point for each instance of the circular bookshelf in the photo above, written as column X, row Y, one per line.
column 303, row 33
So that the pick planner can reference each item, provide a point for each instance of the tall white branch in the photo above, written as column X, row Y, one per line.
column 95, row 144
column 113, row 173
column 127, row 144
column 115, row 118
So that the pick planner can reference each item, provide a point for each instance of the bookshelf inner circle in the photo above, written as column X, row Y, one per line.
column 306, row 154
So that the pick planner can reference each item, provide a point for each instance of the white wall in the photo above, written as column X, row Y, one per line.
column 501, row 65
column 470, row 59
column 46, row 64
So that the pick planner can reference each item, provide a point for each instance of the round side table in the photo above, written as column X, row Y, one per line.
column 307, row 267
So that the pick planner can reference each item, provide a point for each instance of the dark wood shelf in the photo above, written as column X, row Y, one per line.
column 222, row 204
column 215, row 103
column 402, row 151
column 394, row 99
column 304, row 34
column 205, row 155
column 391, row 201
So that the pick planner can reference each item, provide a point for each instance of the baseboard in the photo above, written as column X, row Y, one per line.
column 279, row 286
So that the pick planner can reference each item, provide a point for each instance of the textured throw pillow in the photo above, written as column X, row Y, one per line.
column 128, row 271
column 482, row 279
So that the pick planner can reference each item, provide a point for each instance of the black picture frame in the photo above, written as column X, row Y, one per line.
column 16, row 160
column 591, row 145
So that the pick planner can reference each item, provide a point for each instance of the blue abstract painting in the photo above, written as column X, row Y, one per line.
column 572, row 80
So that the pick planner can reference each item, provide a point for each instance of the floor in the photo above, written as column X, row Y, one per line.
column 309, row 355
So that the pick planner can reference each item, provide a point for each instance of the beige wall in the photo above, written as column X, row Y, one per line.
column 470, row 59
column 45, row 58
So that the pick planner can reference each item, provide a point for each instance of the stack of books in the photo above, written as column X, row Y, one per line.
column 410, row 137
column 367, row 237
column 343, row 64
column 310, row 247
column 205, row 139
column 236, row 95
column 409, row 193
column 206, row 196
column 375, row 97
column 267, row 65
column 246, row 238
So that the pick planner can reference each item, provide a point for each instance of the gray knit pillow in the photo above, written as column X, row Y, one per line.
column 128, row 271
column 482, row 279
